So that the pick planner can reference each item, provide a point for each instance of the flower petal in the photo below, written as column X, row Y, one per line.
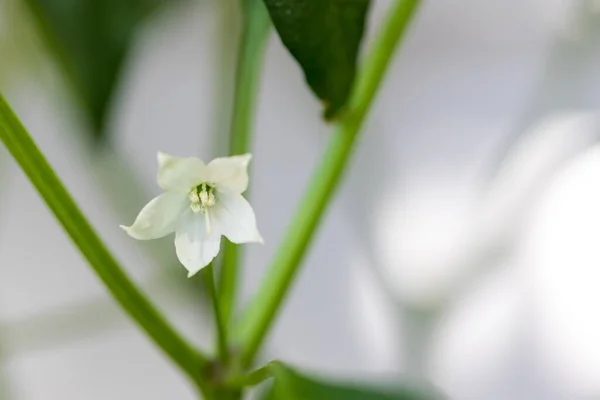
column 177, row 174
column 194, row 246
column 159, row 217
column 230, row 173
column 233, row 217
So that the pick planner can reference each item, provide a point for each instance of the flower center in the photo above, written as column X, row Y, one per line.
column 202, row 197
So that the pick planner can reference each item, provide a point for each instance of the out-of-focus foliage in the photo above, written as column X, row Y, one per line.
column 18, row 46
column 324, row 36
column 290, row 385
column 91, row 39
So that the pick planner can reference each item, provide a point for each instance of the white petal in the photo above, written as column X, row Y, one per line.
column 233, row 217
column 159, row 217
column 195, row 247
column 180, row 174
column 230, row 173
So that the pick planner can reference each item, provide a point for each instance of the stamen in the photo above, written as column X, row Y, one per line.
column 211, row 198
column 193, row 196
column 201, row 198
column 196, row 208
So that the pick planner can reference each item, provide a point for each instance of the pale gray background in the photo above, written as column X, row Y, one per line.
column 384, row 292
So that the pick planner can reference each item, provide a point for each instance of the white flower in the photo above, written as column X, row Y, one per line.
column 201, row 203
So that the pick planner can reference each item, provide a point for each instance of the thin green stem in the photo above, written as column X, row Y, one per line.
column 250, row 59
column 209, row 281
column 252, row 379
column 263, row 309
column 32, row 161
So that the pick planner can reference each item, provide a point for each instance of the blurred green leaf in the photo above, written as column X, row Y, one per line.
column 324, row 36
column 290, row 385
column 91, row 39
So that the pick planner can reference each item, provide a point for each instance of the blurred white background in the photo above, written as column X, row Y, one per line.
column 462, row 250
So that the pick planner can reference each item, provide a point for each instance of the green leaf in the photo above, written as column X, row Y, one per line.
column 291, row 385
column 324, row 36
column 91, row 39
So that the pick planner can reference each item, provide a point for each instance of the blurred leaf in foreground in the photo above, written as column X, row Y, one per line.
column 91, row 39
column 18, row 45
column 291, row 385
column 324, row 36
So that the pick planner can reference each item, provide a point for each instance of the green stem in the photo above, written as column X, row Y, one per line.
column 209, row 280
column 326, row 178
column 32, row 161
column 250, row 59
column 252, row 379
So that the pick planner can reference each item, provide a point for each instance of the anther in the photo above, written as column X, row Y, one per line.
column 196, row 208
column 204, row 197
column 211, row 199
column 193, row 196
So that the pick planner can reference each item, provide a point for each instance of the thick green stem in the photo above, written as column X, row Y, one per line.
column 209, row 280
column 32, row 161
column 320, row 190
column 250, row 59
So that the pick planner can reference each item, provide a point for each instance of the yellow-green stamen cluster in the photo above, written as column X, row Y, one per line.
column 202, row 197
